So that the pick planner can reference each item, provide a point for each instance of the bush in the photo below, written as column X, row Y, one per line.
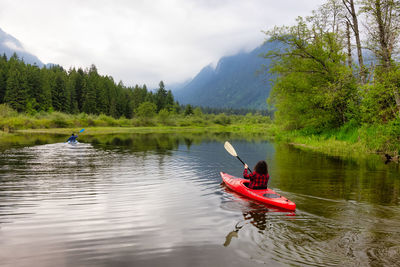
column 163, row 116
column 59, row 120
column 222, row 119
column 146, row 110
column 7, row 111
column 106, row 120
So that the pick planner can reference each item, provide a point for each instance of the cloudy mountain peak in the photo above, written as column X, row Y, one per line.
column 10, row 45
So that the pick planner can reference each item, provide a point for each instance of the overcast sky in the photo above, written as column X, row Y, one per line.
column 144, row 41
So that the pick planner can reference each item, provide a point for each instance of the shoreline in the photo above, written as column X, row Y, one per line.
column 317, row 143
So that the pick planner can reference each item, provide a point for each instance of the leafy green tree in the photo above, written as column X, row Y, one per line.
column 146, row 110
column 313, row 87
column 383, row 20
column 197, row 112
column 164, row 115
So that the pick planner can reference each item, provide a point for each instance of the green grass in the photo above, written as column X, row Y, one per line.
column 12, row 121
column 348, row 139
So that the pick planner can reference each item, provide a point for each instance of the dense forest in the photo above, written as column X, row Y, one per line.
column 28, row 88
column 322, row 79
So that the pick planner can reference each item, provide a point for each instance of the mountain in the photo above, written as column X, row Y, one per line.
column 10, row 45
column 238, row 81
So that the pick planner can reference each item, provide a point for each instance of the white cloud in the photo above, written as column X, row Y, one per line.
column 144, row 41
column 13, row 46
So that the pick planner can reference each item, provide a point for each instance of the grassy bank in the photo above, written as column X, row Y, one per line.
column 11, row 121
column 237, row 128
column 349, row 139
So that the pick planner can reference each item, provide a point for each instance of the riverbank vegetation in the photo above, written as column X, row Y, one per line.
column 323, row 93
column 146, row 117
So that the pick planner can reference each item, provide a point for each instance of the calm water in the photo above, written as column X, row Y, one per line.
column 157, row 200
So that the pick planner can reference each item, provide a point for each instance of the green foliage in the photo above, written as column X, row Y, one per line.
column 164, row 116
column 59, row 120
column 197, row 112
column 222, row 119
column 146, row 110
column 17, row 87
column 318, row 95
column 188, row 110
column 7, row 111
column 313, row 87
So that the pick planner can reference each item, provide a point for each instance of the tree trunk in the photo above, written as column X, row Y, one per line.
column 349, row 4
column 383, row 34
column 349, row 59
column 397, row 99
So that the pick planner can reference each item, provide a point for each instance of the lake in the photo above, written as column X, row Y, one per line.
column 158, row 200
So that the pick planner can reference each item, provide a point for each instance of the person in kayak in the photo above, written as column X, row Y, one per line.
column 72, row 138
column 259, row 178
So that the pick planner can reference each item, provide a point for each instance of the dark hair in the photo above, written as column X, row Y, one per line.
column 261, row 167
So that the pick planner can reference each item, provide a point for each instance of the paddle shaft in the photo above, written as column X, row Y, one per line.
column 243, row 162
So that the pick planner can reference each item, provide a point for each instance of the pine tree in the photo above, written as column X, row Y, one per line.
column 3, row 77
column 59, row 94
column 89, row 95
column 35, row 87
column 16, row 90
column 161, row 97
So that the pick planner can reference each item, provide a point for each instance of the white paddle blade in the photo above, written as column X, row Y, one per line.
column 230, row 149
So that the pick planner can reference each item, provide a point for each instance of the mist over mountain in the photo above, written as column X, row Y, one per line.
column 238, row 81
column 10, row 45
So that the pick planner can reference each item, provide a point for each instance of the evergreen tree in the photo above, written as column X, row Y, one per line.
column 161, row 97
column 45, row 98
column 188, row 110
column 169, row 101
column 35, row 87
column 3, row 77
column 59, row 94
column 89, row 95
column 16, row 91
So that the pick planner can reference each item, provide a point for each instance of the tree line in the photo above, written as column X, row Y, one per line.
column 323, row 80
column 28, row 88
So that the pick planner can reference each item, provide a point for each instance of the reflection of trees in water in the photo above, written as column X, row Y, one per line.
column 315, row 174
column 22, row 140
column 161, row 142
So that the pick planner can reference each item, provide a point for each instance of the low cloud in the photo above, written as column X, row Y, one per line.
column 143, row 42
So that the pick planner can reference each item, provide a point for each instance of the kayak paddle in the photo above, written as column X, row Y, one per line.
column 232, row 151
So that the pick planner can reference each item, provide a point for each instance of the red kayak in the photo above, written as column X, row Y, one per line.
column 267, row 196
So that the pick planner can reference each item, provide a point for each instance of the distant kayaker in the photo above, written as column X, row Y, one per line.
column 72, row 138
column 259, row 178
